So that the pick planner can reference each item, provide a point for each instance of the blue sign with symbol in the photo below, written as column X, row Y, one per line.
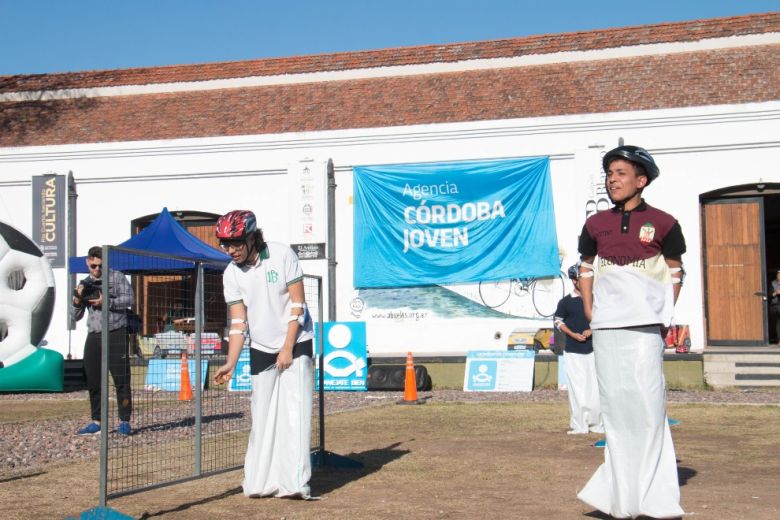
column 499, row 371
column 345, row 358
column 165, row 374
column 242, row 375
column 482, row 375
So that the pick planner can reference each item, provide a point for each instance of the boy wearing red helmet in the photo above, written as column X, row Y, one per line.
column 264, row 291
column 638, row 275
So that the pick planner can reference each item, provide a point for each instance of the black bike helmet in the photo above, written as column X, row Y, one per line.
column 633, row 154
column 574, row 271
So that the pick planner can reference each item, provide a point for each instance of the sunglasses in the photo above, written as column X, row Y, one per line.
column 96, row 266
column 232, row 244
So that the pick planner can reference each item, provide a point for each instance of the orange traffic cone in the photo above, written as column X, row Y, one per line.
column 410, row 383
column 185, row 387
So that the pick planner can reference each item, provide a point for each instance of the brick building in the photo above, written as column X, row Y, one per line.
column 702, row 96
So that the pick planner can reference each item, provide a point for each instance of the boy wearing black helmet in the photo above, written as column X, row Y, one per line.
column 638, row 275
column 264, row 291
column 583, row 389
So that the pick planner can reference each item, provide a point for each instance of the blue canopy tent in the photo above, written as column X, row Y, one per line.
column 163, row 235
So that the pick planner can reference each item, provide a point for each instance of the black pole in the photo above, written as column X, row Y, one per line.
column 331, row 242
column 72, row 196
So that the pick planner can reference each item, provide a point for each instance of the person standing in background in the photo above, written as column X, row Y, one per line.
column 88, row 296
column 582, row 385
column 774, row 305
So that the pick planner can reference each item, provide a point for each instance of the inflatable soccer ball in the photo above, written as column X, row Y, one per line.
column 26, row 296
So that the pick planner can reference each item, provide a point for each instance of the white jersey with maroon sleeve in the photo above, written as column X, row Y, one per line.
column 632, row 285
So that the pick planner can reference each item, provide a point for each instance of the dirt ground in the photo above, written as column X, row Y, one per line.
column 452, row 461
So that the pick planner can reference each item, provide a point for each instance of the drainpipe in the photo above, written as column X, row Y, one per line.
column 331, row 252
column 72, row 196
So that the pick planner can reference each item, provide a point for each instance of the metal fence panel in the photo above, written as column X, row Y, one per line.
column 177, row 437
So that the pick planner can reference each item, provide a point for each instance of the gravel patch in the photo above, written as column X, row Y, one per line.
column 27, row 445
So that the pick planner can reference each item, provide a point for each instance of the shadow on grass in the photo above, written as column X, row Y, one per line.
column 326, row 480
column 184, row 507
column 685, row 474
column 20, row 477
column 187, row 422
column 604, row 516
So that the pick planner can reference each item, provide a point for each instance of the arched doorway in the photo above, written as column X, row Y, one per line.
column 741, row 250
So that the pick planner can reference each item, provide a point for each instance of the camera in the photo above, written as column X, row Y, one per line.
column 91, row 291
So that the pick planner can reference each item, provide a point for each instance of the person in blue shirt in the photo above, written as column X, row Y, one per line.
column 583, row 388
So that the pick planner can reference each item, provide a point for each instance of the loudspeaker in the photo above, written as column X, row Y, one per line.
column 74, row 378
column 392, row 377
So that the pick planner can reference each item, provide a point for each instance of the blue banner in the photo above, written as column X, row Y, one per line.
column 423, row 224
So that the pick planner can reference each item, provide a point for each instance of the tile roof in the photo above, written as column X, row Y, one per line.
column 704, row 77
column 512, row 47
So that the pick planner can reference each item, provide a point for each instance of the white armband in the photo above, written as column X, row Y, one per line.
column 587, row 274
column 300, row 319
column 236, row 332
column 586, row 265
column 677, row 279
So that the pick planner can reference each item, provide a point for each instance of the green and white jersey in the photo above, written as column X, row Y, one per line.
column 263, row 288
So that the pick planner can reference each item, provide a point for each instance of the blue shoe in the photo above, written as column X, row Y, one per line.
column 124, row 428
column 90, row 429
column 601, row 444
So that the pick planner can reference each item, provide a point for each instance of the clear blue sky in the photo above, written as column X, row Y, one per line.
column 75, row 35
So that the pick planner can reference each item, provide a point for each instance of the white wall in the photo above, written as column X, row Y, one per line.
column 697, row 149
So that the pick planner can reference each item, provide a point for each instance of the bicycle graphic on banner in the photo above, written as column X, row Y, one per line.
column 545, row 293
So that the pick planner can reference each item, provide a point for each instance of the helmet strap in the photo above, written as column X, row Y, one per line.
column 251, row 253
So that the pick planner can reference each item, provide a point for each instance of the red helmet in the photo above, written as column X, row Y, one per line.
column 236, row 225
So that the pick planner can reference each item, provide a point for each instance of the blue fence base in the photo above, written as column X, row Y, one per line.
column 101, row 513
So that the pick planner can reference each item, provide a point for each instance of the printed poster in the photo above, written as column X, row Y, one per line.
column 461, row 222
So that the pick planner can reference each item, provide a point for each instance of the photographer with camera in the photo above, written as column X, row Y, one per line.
column 88, row 296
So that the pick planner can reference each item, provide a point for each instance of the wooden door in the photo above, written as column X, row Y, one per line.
column 734, row 282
